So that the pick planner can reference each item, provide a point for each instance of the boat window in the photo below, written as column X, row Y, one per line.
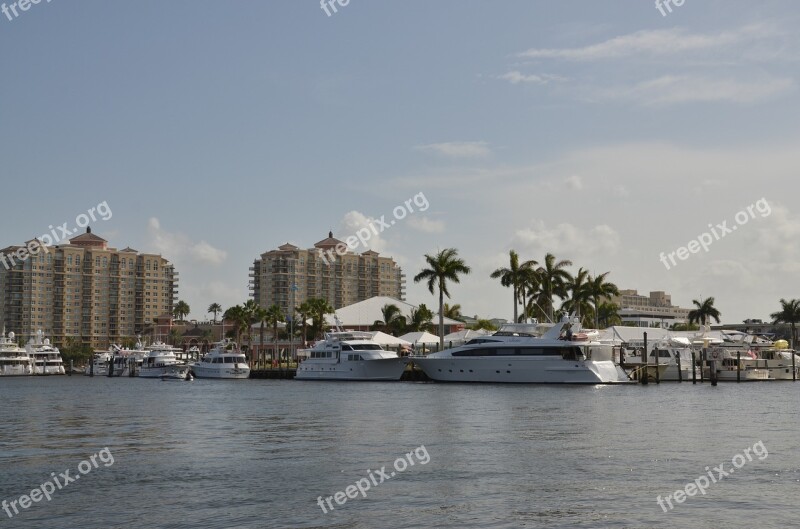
column 346, row 347
column 535, row 351
column 366, row 347
column 570, row 353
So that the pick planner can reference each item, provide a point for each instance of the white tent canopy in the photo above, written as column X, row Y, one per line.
column 421, row 338
column 386, row 339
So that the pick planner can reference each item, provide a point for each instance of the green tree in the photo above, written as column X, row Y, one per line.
column 274, row 316
column 580, row 295
column 181, row 310
column 215, row 308
column 513, row 276
column 319, row 308
column 483, row 324
column 789, row 313
column 704, row 312
column 600, row 288
column 258, row 316
column 529, row 289
column 240, row 320
column 443, row 267
column 454, row 312
column 392, row 319
column 608, row 315
column 421, row 319
column 304, row 311
column 553, row 279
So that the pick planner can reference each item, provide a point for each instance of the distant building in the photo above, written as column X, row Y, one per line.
column 656, row 310
column 320, row 272
column 86, row 291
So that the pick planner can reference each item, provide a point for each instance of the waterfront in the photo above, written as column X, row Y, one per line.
column 253, row 454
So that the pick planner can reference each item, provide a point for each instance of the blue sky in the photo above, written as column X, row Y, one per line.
column 603, row 132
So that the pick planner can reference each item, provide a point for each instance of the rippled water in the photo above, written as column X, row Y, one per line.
column 258, row 454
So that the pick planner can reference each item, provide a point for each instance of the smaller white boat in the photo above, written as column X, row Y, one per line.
column 223, row 361
column 46, row 358
column 160, row 361
column 98, row 366
column 349, row 355
column 14, row 360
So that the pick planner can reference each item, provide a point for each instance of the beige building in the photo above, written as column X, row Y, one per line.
column 85, row 290
column 655, row 310
column 339, row 276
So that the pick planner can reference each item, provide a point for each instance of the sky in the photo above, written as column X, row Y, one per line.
column 603, row 132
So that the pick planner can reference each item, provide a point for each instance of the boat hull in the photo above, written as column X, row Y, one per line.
column 378, row 370
column 521, row 370
column 230, row 373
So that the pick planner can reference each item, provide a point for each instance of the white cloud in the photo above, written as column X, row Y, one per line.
column 516, row 77
column 458, row 149
column 178, row 246
column 566, row 240
column 355, row 223
column 425, row 224
column 575, row 183
column 654, row 42
column 671, row 89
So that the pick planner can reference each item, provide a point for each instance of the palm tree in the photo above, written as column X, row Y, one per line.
column 513, row 276
column 580, row 295
column 215, row 308
column 259, row 315
column 238, row 316
column 273, row 316
column 789, row 313
column 600, row 288
column 704, row 312
column 390, row 313
column 304, row 311
column 250, row 309
column 552, row 280
column 319, row 308
column 483, row 324
column 454, row 312
column 181, row 310
column 443, row 267
column 421, row 319
column 529, row 288
column 608, row 315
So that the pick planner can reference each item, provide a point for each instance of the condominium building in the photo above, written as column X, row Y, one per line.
column 289, row 275
column 655, row 310
column 84, row 290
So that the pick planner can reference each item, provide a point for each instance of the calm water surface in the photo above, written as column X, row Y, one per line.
column 258, row 454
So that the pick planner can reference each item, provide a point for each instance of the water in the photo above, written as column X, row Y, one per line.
column 258, row 454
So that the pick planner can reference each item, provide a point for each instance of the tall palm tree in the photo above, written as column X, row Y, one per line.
column 600, row 288
column 704, row 312
column 453, row 312
column 215, row 308
column 580, row 295
column 259, row 315
column 250, row 309
column 443, row 267
column 319, row 308
column 181, row 310
column 513, row 275
column 789, row 313
column 552, row 280
column 274, row 315
column 529, row 288
column 304, row 311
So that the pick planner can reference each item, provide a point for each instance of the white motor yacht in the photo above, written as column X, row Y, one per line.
column 349, row 355
column 14, row 360
column 160, row 361
column 46, row 358
column 98, row 366
column 563, row 355
column 224, row 360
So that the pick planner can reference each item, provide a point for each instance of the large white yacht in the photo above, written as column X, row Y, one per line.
column 14, row 360
column 349, row 355
column 223, row 361
column 562, row 355
column 46, row 358
column 160, row 361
